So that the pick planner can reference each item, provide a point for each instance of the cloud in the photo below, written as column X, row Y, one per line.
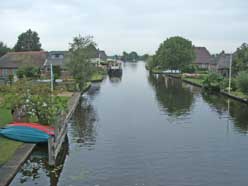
column 127, row 25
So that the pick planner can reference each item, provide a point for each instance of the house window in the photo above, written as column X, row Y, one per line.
column 5, row 72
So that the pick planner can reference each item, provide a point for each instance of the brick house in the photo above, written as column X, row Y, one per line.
column 12, row 61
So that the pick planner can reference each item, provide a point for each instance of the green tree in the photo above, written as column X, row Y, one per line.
column 3, row 48
column 124, row 56
column 240, row 62
column 79, row 64
column 28, row 41
column 242, row 81
column 175, row 53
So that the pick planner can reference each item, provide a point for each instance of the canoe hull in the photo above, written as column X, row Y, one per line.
column 46, row 129
column 24, row 134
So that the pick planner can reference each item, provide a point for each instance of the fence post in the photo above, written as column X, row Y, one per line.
column 51, row 151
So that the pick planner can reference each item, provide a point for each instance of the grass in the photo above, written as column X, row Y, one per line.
column 97, row 77
column 195, row 80
column 239, row 94
column 7, row 147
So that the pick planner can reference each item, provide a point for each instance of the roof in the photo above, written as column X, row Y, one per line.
column 223, row 61
column 202, row 56
column 18, row 59
column 57, row 58
column 102, row 54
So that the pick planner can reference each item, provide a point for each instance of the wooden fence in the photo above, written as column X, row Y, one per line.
column 55, row 142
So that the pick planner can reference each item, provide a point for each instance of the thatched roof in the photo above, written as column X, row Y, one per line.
column 19, row 59
column 202, row 56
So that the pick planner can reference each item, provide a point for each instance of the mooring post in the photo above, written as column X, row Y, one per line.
column 51, row 151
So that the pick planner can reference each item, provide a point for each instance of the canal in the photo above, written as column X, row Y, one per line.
column 142, row 129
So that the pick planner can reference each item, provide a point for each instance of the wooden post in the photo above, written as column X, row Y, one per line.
column 51, row 153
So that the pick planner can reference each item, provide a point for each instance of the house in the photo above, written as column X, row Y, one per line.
column 203, row 59
column 57, row 59
column 12, row 61
column 99, row 57
column 223, row 63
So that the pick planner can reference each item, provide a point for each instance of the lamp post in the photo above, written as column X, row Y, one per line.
column 51, row 71
column 230, row 73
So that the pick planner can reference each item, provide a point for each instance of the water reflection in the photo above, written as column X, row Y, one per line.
column 36, row 169
column 236, row 110
column 94, row 90
column 115, row 78
column 132, row 65
column 83, row 128
column 174, row 97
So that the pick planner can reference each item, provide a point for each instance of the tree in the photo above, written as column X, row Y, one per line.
column 242, row 81
column 3, row 48
column 133, row 56
column 240, row 62
column 28, row 41
column 79, row 64
column 175, row 53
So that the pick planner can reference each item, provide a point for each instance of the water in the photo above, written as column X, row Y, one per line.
column 149, row 130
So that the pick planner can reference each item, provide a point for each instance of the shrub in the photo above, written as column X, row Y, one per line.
column 189, row 69
column 242, row 81
column 28, row 72
column 225, row 84
column 213, row 82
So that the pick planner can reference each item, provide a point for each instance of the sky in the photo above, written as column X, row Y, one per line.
column 127, row 25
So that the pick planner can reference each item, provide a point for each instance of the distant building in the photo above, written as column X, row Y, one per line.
column 12, row 61
column 99, row 57
column 203, row 59
column 57, row 58
column 223, row 63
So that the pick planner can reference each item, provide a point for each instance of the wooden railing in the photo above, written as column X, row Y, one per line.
column 55, row 142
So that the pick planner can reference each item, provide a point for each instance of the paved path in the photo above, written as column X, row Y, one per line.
column 10, row 168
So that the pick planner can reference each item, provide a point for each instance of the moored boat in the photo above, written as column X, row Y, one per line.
column 114, row 68
column 27, row 132
column 47, row 129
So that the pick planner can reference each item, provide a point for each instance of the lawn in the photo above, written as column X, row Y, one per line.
column 239, row 94
column 97, row 77
column 7, row 147
column 195, row 80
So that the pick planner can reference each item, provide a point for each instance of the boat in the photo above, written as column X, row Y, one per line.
column 114, row 68
column 47, row 129
column 27, row 132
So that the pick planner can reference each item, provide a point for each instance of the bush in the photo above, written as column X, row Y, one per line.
column 213, row 82
column 28, row 72
column 225, row 84
column 242, row 81
column 189, row 69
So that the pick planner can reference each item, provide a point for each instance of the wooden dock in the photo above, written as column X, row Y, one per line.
column 55, row 142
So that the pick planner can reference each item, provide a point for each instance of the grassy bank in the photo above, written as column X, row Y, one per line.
column 7, row 147
column 97, row 77
column 194, row 81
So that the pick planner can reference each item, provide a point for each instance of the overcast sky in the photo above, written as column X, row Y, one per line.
column 118, row 25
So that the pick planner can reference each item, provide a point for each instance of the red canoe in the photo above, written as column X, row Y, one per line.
column 46, row 129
